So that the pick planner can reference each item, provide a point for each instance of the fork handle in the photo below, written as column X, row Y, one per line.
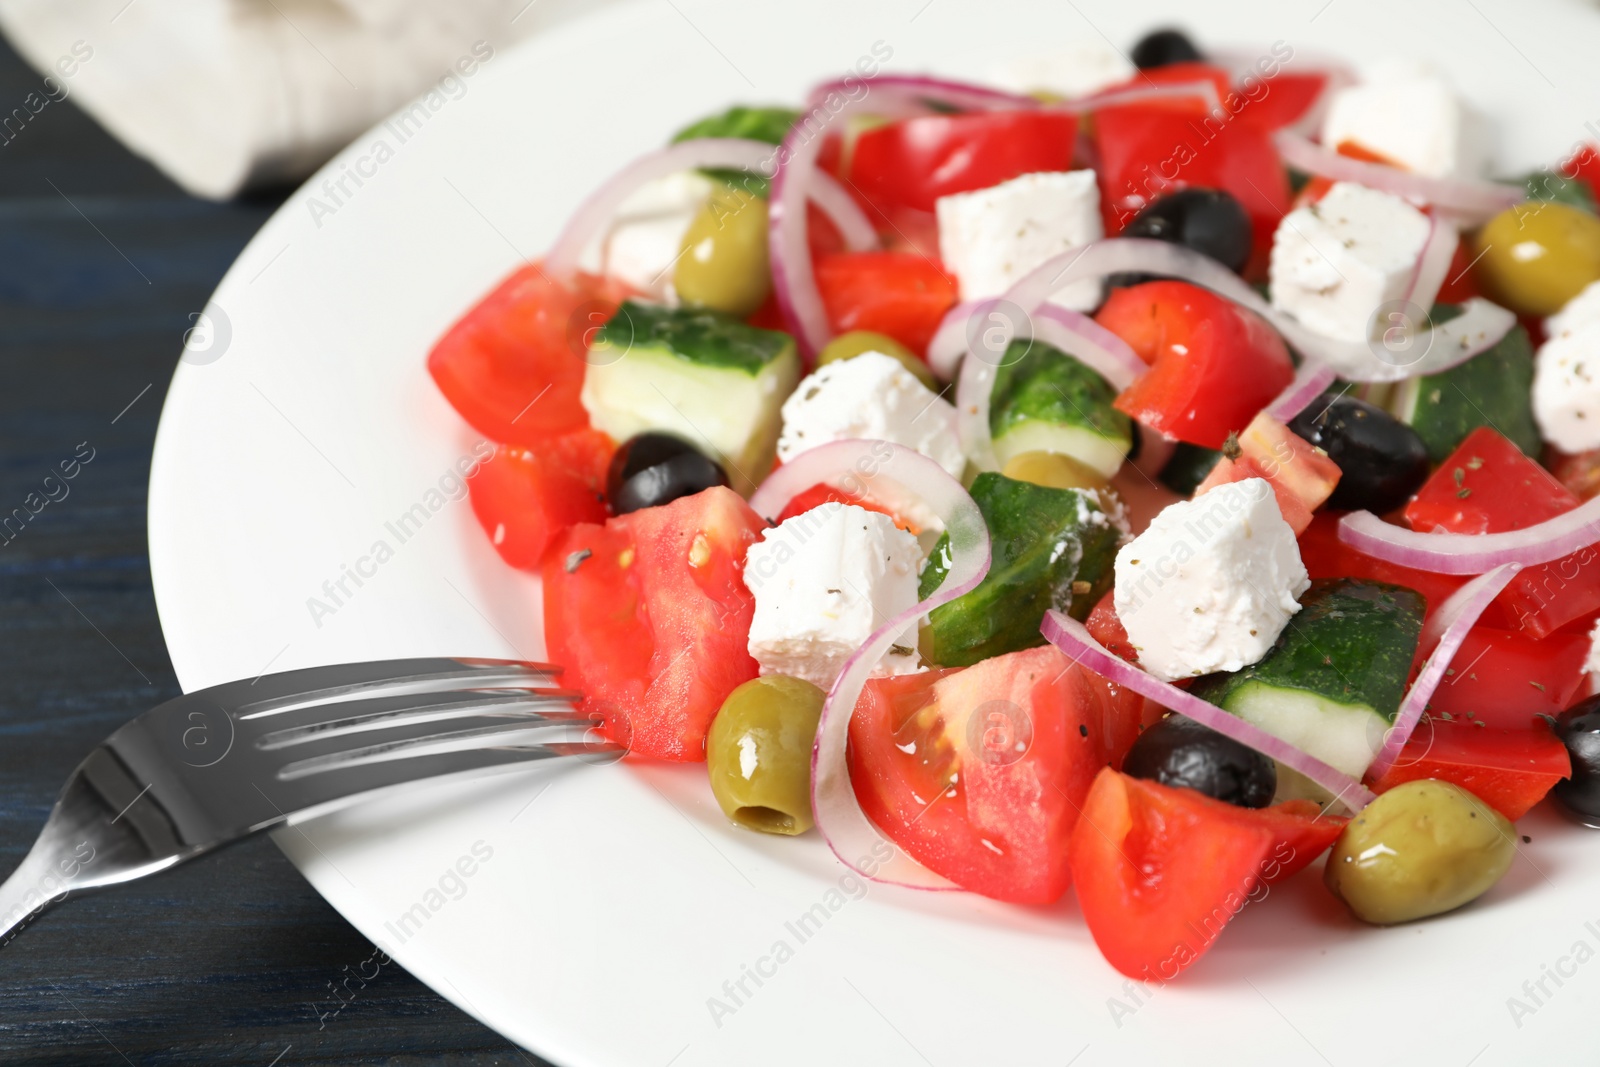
column 42, row 881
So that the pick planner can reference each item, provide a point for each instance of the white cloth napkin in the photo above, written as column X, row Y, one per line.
column 224, row 94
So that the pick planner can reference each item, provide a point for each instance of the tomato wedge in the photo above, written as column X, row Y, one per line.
column 526, row 497
column 1213, row 364
column 913, row 162
column 979, row 772
column 902, row 294
column 650, row 616
column 1510, row 770
column 513, row 365
column 1160, row 871
column 1488, row 486
column 1508, row 678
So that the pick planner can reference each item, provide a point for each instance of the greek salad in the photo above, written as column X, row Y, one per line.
column 1149, row 476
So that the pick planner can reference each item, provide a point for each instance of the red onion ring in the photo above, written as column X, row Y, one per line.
column 1090, row 343
column 1433, row 262
column 974, row 388
column 1453, row 553
column 1446, row 630
column 948, row 92
column 1480, row 326
column 856, row 466
column 595, row 213
column 1069, row 635
column 1476, row 201
column 949, row 341
column 1309, row 383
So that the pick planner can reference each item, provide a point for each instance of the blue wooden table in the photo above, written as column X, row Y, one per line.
column 101, row 262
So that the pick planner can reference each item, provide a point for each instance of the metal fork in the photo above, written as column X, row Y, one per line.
column 220, row 764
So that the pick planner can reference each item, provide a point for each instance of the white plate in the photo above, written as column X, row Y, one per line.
column 616, row 902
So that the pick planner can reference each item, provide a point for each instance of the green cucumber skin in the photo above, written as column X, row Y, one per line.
column 1548, row 185
column 1188, row 467
column 1031, row 571
column 1039, row 383
column 1352, row 643
column 1493, row 388
column 702, row 337
column 769, row 124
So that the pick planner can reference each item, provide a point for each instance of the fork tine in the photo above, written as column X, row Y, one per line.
column 468, row 729
column 291, row 690
column 369, row 713
column 319, row 789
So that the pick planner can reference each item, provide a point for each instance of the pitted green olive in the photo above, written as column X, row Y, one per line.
column 758, row 753
column 1422, row 848
column 722, row 263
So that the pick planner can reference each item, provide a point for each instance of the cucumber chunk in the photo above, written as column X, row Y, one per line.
column 704, row 377
column 1493, row 388
column 1053, row 548
column 1333, row 682
column 1046, row 401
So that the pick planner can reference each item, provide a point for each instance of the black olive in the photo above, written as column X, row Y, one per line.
column 657, row 468
column 1160, row 48
column 1579, row 729
column 1381, row 460
column 1210, row 221
column 1178, row 751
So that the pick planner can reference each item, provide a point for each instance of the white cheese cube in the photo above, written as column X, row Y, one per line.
column 1210, row 583
column 990, row 238
column 1076, row 70
column 1410, row 116
column 1579, row 311
column 823, row 582
column 1336, row 262
column 870, row 397
column 641, row 247
column 1566, row 386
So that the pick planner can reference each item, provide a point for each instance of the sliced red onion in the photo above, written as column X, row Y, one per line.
column 974, row 387
column 1433, row 262
column 862, row 467
column 1445, row 631
column 595, row 214
column 920, row 90
column 1069, row 635
column 949, row 342
column 1475, row 201
column 1479, row 327
column 842, row 210
column 1309, row 383
column 1088, row 342
column 1454, row 553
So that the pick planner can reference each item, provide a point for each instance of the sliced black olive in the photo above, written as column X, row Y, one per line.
column 1210, row 221
column 1579, row 729
column 1178, row 751
column 1161, row 48
column 658, row 468
column 1382, row 460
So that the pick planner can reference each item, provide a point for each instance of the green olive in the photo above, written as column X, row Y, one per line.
column 722, row 263
column 852, row 344
column 758, row 753
column 1054, row 469
column 1420, row 849
column 1536, row 256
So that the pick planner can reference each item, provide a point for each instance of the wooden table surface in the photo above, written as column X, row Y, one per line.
column 101, row 262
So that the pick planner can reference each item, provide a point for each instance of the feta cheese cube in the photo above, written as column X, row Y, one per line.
column 647, row 231
column 1335, row 262
column 1076, row 70
column 1410, row 116
column 1210, row 583
column 1581, row 310
column 1566, row 385
column 870, row 397
column 823, row 582
column 989, row 238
